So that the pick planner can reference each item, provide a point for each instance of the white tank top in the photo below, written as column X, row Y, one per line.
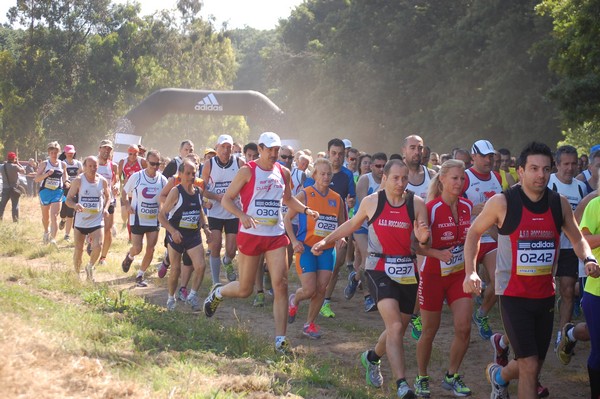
column 373, row 188
column 54, row 181
column 297, row 178
column 262, row 198
column 574, row 193
column 480, row 191
column 218, row 182
column 90, row 196
column 421, row 189
column 145, row 192
column 106, row 171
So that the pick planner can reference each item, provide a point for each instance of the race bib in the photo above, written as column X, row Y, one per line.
column 189, row 220
column 535, row 258
column 148, row 211
column 91, row 206
column 401, row 269
column 456, row 264
column 267, row 212
column 325, row 225
column 52, row 183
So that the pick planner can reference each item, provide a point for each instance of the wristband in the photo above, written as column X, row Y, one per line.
column 590, row 259
column 306, row 210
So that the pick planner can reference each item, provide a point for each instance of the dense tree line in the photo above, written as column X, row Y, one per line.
column 373, row 71
column 79, row 65
column 453, row 71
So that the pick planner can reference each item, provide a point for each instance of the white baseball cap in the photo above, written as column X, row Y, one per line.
column 347, row 143
column 225, row 138
column 269, row 139
column 482, row 147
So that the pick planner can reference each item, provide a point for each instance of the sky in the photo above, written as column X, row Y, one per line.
column 259, row 14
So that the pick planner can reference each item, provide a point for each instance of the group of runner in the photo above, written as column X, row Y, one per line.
column 413, row 235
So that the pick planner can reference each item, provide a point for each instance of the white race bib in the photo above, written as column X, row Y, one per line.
column 456, row 264
column 535, row 258
column 401, row 269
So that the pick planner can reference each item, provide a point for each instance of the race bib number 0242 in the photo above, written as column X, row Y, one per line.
column 535, row 258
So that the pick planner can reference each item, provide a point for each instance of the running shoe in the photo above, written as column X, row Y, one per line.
column 498, row 391
column 282, row 347
column 500, row 354
column 53, row 243
column 542, row 391
column 46, row 238
column 326, row 311
column 416, row 327
column 372, row 370
column 259, row 300
column 404, row 391
column 231, row 276
column 102, row 261
column 126, row 264
column 292, row 309
column 67, row 238
column 182, row 294
column 171, row 304
column 566, row 346
column 212, row 302
column 62, row 224
column 162, row 269
column 482, row 323
column 370, row 304
column 140, row 282
column 422, row 386
column 89, row 272
column 193, row 301
column 350, row 289
column 456, row 385
column 311, row 330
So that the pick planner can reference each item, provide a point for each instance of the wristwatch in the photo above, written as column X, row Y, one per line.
column 590, row 259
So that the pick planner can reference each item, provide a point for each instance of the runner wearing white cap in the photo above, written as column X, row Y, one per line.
column 262, row 185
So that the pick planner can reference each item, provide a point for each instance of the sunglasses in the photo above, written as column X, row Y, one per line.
column 351, row 159
column 377, row 166
column 155, row 164
column 286, row 156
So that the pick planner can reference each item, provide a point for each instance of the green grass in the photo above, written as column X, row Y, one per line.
column 142, row 343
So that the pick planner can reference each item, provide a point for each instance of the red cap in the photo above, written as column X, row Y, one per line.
column 11, row 156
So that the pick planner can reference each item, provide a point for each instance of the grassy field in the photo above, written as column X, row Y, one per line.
column 137, row 344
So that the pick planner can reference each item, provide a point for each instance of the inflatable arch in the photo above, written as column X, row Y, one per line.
column 260, row 112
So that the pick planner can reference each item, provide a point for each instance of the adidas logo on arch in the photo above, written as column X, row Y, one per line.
column 208, row 103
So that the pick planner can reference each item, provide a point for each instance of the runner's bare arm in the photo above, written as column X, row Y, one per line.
column 106, row 195
column 287, row 222
column 72, row 194
column 493, row 212
column 164, row 212
column 166, row 190
column 365, row 211
column 41, row 173
column 421, row 223
column 206, row 177
column 291, row 201
column 241, row 178
column 362, row 188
